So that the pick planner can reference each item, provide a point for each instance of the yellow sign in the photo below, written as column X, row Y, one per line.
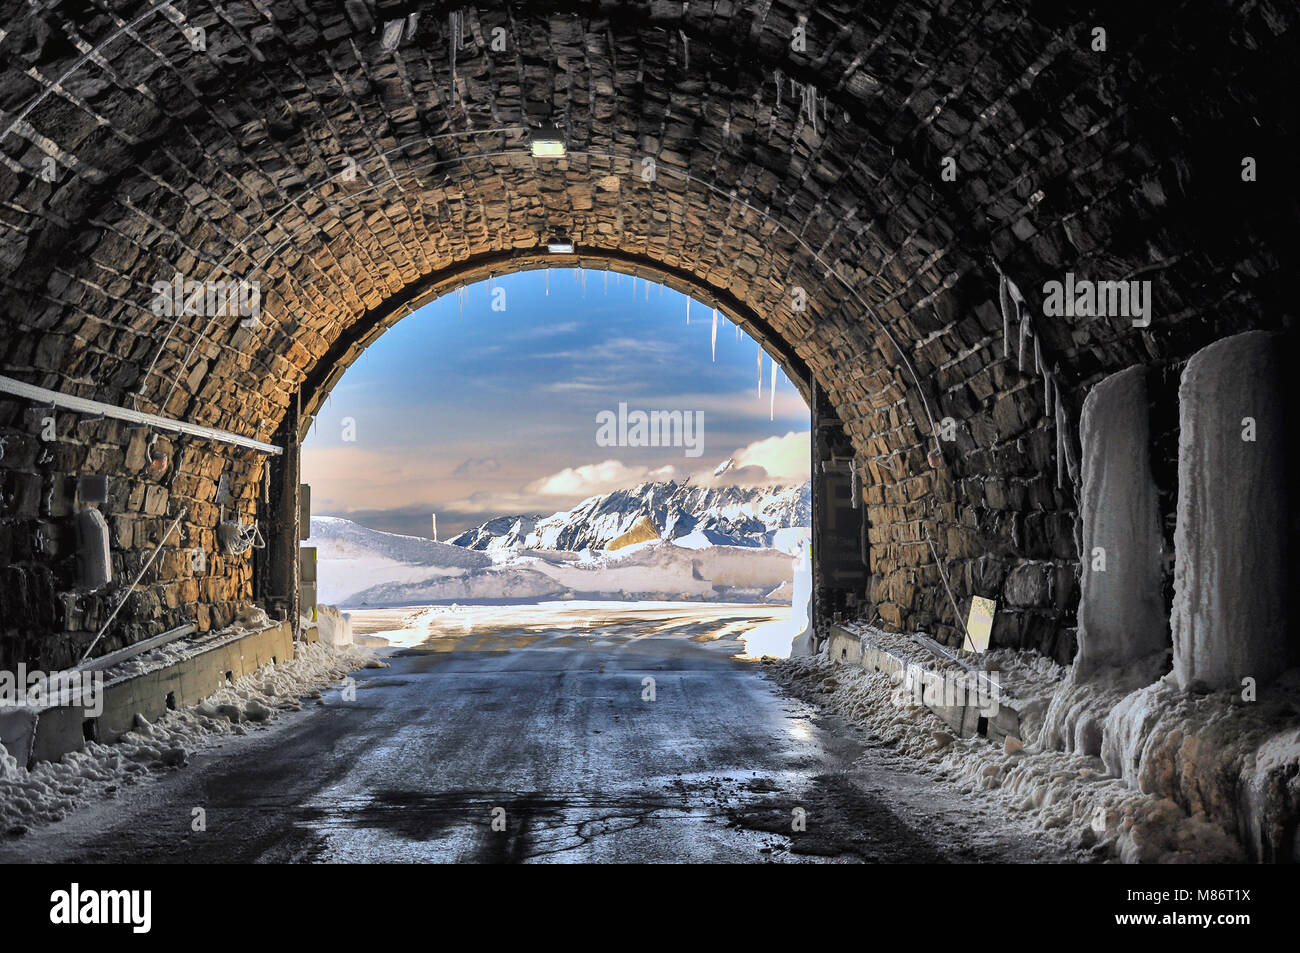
column 980, row 624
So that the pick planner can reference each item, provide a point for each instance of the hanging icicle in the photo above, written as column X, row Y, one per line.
column 771, row 393
column 1060, row 445
column 454, row 31
column 777, row 77
column 1047, row 394
column 548, row 282
column 686, row 51
column 808, row 105
column 1004, row 299
column 1071, row 461
column 688, row 311
column 1038, row 356
column 760, row 372
column 715, row 335
column 1024, row 336
column 583, row 280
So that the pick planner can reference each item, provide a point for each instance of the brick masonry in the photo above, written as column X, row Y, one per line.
column 227, row 162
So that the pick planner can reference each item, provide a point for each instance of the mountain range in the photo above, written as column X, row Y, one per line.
column 690, row 515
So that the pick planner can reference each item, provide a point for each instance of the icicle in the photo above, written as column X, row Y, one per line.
column 1060, row 446
column 1024, row 335
column 1038, row 356
column 647, row 289
column 583, row 273
column 737, row 332
column 686, row 52
column 1047, row 394
column 1004, row 299
column 715, row 335
column 605, row 282
column 1071, row 461
column 548, row 282
column 688, row 311
column 760, row 372
column 771, row 392
column 453, row 28
column 778, row 89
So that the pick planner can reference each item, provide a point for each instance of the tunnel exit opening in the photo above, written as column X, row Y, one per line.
column 835, row 520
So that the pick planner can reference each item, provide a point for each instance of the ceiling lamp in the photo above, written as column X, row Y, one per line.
column 548, row 143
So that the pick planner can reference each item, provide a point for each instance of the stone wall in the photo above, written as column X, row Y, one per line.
column 47, row 619
column 779, row 166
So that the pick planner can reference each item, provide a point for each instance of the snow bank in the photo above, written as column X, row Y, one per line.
column 51, row 790
column 1071, row 795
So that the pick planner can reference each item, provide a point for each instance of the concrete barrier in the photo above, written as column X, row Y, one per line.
column 850, row 648
column 59, row 730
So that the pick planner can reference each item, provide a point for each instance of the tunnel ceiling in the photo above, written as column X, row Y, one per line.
column 128, row 155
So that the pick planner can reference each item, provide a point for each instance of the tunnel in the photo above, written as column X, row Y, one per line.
column 1026, row 262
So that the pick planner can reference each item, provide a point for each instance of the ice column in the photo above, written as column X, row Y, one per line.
column 1121, row 607
column 1229, row 615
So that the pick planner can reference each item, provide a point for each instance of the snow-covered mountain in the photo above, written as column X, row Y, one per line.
column 692, row 515
column 504, row 532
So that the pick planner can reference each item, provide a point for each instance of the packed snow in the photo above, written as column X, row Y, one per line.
column 1072, row 796
column 49, row 791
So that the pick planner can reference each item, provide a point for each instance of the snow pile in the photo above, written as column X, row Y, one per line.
column 1216, row 754
column 52, row 790
column 334, row 627
column 1071, row 795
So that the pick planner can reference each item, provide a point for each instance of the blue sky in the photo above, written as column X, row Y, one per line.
column 474, row 412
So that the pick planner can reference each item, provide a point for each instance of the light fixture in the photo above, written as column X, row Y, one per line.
column 548, row 143
column 560, row 247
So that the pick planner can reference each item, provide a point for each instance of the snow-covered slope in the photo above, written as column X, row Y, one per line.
column 697, row 515
column 351, row 557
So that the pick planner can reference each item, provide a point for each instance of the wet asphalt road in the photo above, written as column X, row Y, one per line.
column 547, row 733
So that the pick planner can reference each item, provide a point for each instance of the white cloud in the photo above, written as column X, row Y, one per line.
column 588, row 480
column 782, row 458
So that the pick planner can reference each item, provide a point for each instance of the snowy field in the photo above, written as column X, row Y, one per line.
column 740, row 631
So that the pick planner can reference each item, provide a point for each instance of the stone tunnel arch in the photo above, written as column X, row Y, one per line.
column 131, row 153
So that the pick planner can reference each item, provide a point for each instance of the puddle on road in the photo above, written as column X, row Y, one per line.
column 692, row 817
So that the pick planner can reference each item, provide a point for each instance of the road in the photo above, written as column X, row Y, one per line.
column 495, row 739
